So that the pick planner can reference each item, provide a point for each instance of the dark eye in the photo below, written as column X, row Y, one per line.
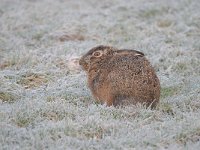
column 97, row 54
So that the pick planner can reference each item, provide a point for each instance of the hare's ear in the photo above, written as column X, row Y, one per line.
column 128, row 52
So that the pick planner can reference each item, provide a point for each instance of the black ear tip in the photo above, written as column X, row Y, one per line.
column 140, row 53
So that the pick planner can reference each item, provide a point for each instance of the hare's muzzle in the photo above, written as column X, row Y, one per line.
column 83, row 63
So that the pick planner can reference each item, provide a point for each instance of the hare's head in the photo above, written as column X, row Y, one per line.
column 102, row 54
column 96, row 55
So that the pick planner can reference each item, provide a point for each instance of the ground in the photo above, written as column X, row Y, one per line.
column 44, row 99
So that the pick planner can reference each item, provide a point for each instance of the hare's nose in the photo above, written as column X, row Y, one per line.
column 81, row 62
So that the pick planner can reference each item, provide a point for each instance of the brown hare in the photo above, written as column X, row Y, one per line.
column 120, row 76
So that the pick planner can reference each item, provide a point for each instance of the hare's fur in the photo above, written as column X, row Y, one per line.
column 120, row 76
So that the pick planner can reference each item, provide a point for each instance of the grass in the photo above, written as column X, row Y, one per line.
column 164, row 23
column 44, row 99
column 191, row 136
column 32, row 80
column 8, row 97
column 180, row 67
column 23, row 119
column 153, row 12
column 87, row 131
column 166, row 108
column 169, row 91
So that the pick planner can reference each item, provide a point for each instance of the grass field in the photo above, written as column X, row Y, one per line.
column 44, row 99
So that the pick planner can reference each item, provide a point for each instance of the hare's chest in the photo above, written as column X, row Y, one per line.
column 100, row 91
column 98, row 84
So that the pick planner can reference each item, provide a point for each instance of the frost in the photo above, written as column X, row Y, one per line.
column 44, row 99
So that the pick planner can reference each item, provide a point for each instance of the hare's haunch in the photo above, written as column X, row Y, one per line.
column 120, row 76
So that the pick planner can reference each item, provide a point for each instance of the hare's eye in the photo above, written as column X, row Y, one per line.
column 97, row 54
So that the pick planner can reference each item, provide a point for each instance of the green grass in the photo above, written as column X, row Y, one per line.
column 166, row 108
column 169, row 91
column 23, row 119
column 150, row 13
column 180, row 67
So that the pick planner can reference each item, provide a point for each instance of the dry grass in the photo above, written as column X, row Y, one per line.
column 8, row 97
column 32, row 80
column 44, row 99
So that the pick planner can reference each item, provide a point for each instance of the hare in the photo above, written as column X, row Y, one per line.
column 120, row 77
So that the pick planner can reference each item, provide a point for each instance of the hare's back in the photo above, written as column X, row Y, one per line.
column 129, row 64
column 131, row 72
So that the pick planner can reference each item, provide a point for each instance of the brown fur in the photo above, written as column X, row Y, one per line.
column 120, row 76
